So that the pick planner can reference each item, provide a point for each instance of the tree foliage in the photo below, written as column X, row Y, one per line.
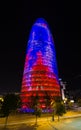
column 11, row 103
column 35, row 105
column 47, row 101
column 79, row 102
column 60, row 109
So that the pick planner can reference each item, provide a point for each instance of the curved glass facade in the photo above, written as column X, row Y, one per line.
column 40, row 74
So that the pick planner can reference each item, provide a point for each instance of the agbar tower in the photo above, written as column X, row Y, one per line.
column 40, row 76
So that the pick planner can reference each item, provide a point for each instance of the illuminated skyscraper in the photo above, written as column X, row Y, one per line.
column 40, row 76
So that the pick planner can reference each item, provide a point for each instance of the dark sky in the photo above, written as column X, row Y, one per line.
column 16, row 20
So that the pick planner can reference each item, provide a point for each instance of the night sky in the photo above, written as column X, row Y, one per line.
column 16, row 20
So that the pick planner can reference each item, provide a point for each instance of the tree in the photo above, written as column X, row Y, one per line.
column 53, row 106
column 36, row 106
column 11, row 103
column 60, row 109
column 1, row 102
column 47, row 101
column 79, row 102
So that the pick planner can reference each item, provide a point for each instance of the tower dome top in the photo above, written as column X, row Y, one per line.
column 40, row 30
column 41, row 20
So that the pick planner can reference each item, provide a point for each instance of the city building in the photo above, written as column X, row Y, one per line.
column 40, row 76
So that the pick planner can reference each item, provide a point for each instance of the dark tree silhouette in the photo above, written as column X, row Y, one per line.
column 60, row 109
column 35, row 105
column 11, row 103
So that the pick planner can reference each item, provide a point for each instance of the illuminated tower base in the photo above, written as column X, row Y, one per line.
column 40, row 75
